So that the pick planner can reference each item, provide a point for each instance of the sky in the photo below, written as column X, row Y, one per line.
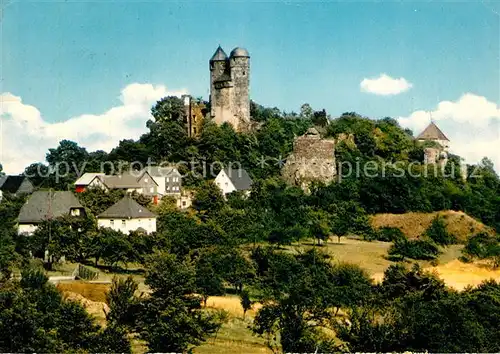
column 89, row 71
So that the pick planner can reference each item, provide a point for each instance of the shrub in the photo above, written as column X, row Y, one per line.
column 414, row 249
column 390, row 234
column 438, row 233
column 483, row 246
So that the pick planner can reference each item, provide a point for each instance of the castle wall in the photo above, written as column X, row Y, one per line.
column 223, row 107
column 313, row 159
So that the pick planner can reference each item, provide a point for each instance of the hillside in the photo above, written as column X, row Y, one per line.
column 414, row 224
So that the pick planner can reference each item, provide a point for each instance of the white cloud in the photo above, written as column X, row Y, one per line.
column 26, row 136
column 385, row 85
column 472, row 123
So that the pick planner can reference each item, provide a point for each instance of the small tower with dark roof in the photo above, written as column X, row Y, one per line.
column 229, row 87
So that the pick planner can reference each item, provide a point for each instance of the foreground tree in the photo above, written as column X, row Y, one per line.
column 34, row 317
column 171, row 318
column 301, row 295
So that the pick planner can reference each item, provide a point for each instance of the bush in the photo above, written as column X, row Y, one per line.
column 414, row 249
column 390, row 234
column 483, row 246
column 438, row 233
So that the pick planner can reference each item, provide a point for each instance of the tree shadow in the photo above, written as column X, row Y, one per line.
column 114, row 269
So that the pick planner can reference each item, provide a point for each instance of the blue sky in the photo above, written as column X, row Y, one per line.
column 69, row 58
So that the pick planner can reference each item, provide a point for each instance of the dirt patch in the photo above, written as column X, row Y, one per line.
column 232, row 305
column 459, row 275
column 94, row 308
column 414, row 224
column 92, row 291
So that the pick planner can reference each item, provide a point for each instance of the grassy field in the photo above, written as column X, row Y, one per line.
column 235, row 336
column 414, row 224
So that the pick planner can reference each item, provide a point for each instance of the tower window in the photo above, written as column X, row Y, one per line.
column 244, row 73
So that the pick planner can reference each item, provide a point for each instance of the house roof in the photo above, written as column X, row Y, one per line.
column 126, row 208
column 432, row 132
column 43, row 205
column 87, row 177
column 11, row 184
column 125, row 180
column 239, row 177
column 219, row 55
column 157, row 171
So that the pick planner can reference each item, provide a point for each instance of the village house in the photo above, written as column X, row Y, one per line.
column 127, row 215
column 230, row 180
column 130, row 182
column 90, row 180
column 47, row 205
column 168, row 179
column 15, row 185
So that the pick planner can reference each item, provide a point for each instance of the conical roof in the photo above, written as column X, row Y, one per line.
column 432, row 132
column 219, row 55
column 126, row 208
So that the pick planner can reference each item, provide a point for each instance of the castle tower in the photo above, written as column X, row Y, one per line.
column 229, row 87
column 438, row 153
column 240, row 74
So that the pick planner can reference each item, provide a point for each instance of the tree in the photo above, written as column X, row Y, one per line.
column 438, row 233
column 67, row 162
column 8, row 256
column 123, row 304
column 245, row 301
column 169, row 109
column 112, row 247
column 34, row 317
column 209, row 280
column 320, row 118
column 299, row 293
column 208, row 199
column 319, row 225
column 306, row 111
column 39, row 174
column 171, row 319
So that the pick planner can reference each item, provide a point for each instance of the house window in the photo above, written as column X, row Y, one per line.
column 112, row 222
column 123, row 223
column 145, row 180
column 168, row 179
column 168, row 188
column 75, row 212
column 152, row 189
column 184, row 203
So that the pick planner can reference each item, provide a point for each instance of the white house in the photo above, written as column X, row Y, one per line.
column 127, row 215
column 47, row 205
column 230, row 180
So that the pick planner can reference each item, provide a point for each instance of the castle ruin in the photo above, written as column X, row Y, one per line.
column 229, row 88
column 312, row 159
